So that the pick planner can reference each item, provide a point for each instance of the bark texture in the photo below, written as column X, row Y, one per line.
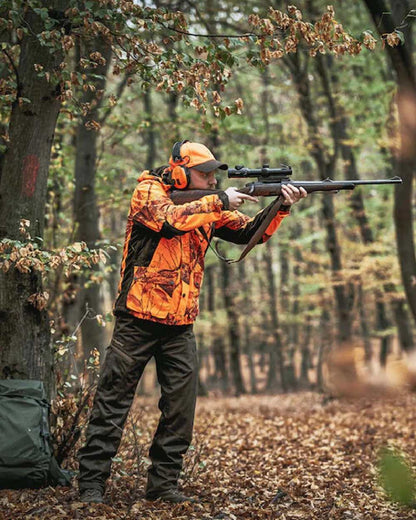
column 25, row 350
column 86, row 211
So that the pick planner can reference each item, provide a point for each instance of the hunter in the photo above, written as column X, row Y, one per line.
column 161, row 276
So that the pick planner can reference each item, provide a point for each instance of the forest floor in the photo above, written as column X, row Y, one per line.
column 281, row 457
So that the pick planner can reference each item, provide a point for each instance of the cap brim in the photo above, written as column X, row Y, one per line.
column 209, row 166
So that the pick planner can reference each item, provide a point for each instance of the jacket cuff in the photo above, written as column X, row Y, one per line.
column 225, row 200
column 284, row 207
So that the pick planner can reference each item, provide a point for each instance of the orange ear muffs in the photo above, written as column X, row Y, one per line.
column 178, row 174
column 180, row 177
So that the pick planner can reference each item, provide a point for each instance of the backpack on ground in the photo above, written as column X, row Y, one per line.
column 26, row 458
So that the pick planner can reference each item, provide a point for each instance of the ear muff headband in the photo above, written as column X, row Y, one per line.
column 179, row 173
column 176, row 151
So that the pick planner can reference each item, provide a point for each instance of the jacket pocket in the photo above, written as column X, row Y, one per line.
column 154, row 292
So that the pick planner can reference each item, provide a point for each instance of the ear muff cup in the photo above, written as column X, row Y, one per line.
column 180, row 176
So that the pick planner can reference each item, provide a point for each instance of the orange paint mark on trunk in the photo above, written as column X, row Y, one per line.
column 30, row 174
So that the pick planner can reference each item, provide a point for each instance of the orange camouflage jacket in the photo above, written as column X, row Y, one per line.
column 163, row 256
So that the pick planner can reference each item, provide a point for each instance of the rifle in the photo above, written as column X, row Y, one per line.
column 270, row 180
column 269, row 184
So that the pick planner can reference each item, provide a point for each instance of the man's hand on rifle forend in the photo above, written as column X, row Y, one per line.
column 236, row 199
column 292, row 194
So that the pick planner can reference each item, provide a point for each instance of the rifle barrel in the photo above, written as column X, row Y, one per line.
column 393, row 180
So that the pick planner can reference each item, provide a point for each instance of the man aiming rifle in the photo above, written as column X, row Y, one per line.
column 161, row 276
column 272, row 182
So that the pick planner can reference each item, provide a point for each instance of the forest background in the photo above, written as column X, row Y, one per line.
column 92, row 93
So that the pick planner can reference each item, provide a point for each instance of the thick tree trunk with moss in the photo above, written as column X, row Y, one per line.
column 25, row 350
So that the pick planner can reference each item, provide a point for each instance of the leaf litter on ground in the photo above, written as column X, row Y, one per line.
column 283, row 457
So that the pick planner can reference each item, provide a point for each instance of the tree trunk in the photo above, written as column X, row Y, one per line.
column 343, row 292
column 85, row 201
column 295, row 310
column 339, row 127
column 276, row 349
column 202, row 387
column 365, row 330
column 150, row 133
column 276, row 357
column 174, row 128
column 387, row 18
column 383, row 324
column 325, row 341
column 326, row 166
column 220, row 362
column 245, row 312
column 25, row 335
column 233, row 330
column 402, row 319
column 290, row 347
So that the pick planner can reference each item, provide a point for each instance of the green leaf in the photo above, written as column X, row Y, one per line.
column 396, row 477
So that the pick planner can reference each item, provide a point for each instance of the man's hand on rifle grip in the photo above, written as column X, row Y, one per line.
column 236, row 199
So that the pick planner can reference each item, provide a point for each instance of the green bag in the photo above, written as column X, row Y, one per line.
column 26, row 458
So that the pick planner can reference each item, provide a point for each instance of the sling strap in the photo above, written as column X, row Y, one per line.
column 255, row 239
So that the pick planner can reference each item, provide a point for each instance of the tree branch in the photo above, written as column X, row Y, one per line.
column 16, row 72
column 186, row 33
column 120, row 88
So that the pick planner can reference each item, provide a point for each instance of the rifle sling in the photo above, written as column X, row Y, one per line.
column 255, row 239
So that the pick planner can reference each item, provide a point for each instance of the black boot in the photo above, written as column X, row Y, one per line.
column 173, row 496
column 91, row 495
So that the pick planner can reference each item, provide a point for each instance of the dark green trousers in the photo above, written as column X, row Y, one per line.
column 134, row 343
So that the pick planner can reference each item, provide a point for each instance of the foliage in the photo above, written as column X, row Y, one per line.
column 28, row 257
column 396, row 477
column 191, row 70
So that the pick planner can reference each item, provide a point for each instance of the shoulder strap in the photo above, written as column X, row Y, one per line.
column 255, row 239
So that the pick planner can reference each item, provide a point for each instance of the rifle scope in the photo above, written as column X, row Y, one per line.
column 264, row 172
